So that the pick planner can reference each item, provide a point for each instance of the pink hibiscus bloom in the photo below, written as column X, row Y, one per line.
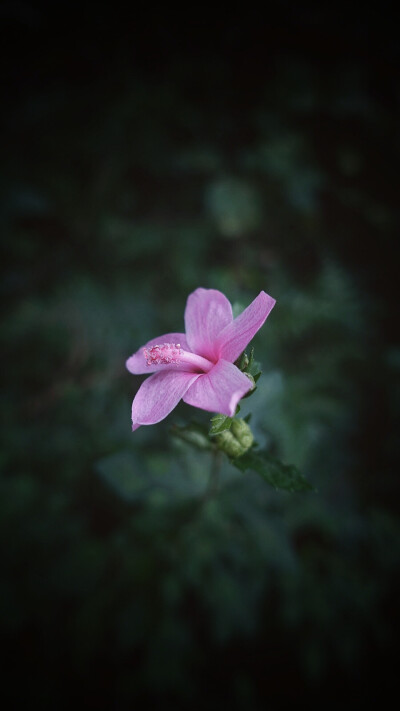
column 198, row 366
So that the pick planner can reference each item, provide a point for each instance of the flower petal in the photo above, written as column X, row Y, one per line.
column 207, row 312
column 219, row 390
column 158, row 396
column 237, row 335
column 137, row 364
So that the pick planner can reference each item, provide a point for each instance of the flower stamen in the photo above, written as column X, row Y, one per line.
column 173, row 354
column 163, row 354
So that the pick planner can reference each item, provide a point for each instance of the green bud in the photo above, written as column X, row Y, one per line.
column 237, row 440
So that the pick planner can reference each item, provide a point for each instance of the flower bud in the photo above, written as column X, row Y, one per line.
column 237, row 440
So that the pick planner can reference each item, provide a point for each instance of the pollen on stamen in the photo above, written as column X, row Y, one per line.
column 164, row 354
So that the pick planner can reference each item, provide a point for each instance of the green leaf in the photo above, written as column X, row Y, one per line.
column 277, row 474
column 243, row 361
column 251, row 359
column 220, row 423
column 254, row 369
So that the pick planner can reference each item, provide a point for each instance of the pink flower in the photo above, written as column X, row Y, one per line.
column 197, row 366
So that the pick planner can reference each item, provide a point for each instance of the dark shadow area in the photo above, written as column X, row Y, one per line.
column 141, row 159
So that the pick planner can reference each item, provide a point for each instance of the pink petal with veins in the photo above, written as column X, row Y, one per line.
column 207, row 312
column 237, row 335
column 219, row 390
column 158, row 396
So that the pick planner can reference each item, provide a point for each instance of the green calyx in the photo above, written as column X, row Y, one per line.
column 236, row 440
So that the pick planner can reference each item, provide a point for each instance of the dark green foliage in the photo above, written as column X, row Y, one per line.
column 234, row 437
column 275, row 473
column 136, row 570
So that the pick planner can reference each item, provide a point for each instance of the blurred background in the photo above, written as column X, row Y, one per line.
column 141, row 159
